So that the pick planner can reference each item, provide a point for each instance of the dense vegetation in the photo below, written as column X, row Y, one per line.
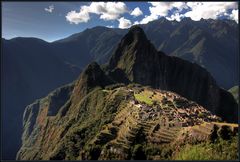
column 33, row 67
column 94, row 126
column 218, row 150
column 106, row 116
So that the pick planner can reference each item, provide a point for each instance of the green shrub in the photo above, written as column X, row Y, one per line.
column 200, row 115
column 225, row 132
column 213, row 136
column 138, row 153
column 219, row 150
column 94, row 152
column 151, row 150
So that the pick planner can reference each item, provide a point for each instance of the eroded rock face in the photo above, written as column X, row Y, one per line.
column 142, row 64
column 36, row 118
column 88, row 120
column 29, row 119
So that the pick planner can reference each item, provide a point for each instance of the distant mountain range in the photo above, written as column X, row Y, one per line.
column 33, row 67
column 213, row 44
column 134, row 102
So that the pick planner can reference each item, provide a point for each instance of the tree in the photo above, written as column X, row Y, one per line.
column 225, row 132
column 138, row 153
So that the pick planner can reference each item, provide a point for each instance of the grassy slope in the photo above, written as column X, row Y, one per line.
column 98, row 120
column 219, row 150
column 100, row 107
column 144, row 97
column 92, row 119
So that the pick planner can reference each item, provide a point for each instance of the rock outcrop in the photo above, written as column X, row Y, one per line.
column 96, row 117
column 141, row 63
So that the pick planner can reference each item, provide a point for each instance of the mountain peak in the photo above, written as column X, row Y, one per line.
column 134, row 45
column 186, row 19
column 133, row 50
column 91, row 77
column 138, row 61
column 136, row 33
column 163, row 19
column 92, row 67
column 136, row 28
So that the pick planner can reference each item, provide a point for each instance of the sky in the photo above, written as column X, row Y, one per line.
column 51, row 21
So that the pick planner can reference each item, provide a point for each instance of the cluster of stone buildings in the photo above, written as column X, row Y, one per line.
column 183, row 113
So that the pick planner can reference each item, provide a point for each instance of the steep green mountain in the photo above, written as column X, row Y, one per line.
column 131, row 109
column 29, row 72
column 235, row 92
column 213, row 44
column 140, row 62
column 32, row 68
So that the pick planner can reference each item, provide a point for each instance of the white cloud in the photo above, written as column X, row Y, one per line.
column 149, row 18
column 78, row 17
column 162, row 8
column 124, row 23
column 171, row 10
column 207, row 10
column 136, row 23
column 234, row 15
column 110, row 26
column 176, row 17
column 49, row 9
column 197, row 11
column 106, row 10
column 136, row 12
column 159, row 9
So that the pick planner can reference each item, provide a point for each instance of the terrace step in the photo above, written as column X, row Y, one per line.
column 163, row 136
column 200, row 131
column 204, row 128
column 169, row 130
column 170, row 135
column 159, row 140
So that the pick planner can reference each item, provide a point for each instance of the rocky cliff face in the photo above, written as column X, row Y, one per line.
column 30, row 71
column 48, row 120
column 31, row 66
column 212, row 44
column 96, row 117
column 37, row 121
column 143, row 64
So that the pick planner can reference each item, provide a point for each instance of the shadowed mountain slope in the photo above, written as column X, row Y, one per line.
column 212, row 44
column 142, row 100
column 29, row 72
column 141, row 63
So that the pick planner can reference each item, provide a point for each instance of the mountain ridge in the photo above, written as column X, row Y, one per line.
column 103, row 118
column 144, row 65
column 163, row 34
column 221, row 62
